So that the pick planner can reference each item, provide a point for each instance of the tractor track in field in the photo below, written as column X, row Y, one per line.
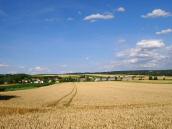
column 66, row 100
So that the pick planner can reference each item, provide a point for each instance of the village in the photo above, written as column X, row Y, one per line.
column 54, row 79
column 80, row 78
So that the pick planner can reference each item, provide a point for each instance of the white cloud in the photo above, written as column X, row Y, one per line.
column 150, row 44
column 157, row 13
column 166, row 31
column 146, row 54
column 98, row 16
column 3, row 65
column 121, row 9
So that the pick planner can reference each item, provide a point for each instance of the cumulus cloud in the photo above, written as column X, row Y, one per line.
column 98, row 16
column 157, row 13
column 166, row 31
column 150, row 44
column 121, row 9
column 146, row 54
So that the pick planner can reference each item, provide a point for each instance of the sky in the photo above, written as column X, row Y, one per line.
column 64, row 36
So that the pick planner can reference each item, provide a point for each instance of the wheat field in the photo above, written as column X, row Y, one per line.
column 88, row 105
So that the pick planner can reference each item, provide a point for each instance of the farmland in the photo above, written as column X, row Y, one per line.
column 100, row 105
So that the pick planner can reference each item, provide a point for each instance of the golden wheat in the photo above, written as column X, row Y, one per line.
column 89, row 105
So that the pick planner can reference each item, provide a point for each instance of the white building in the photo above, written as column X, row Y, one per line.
column 112, row 79
column 97, row 80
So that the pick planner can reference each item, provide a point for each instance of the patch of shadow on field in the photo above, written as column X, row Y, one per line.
column 16, row 110
column 7, row 97
column 65, row 96
column 125, row 106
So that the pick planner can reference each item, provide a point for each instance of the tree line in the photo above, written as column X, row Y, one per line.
column 13, row 78
column 135, row 72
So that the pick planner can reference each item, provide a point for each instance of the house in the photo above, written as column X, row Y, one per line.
column 112, row 78
column 25, row 81
column 97, row 79
column 82, row 79
column 41, row 82
column 104, row 79
column 38, row 81
column 127, row 78
column 119, row 78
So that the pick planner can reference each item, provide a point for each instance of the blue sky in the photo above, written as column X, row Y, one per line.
column 58, row 36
